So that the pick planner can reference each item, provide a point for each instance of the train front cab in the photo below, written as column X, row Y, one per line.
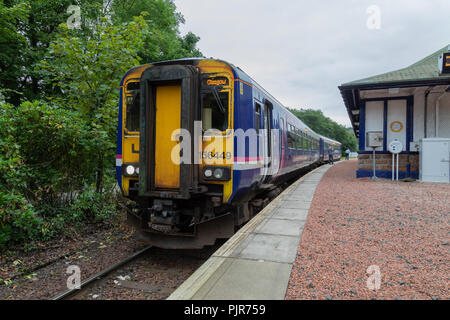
column 180, row 190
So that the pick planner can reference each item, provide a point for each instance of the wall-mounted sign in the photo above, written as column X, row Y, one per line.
column 396, row 126
column 446, row 68
column 444, row 63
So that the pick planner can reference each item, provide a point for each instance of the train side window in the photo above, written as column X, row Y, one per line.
column 257, row 117
column 215, row 110
column 291, row 137
column 298, row 145
column 133, row 106
column 291, row 140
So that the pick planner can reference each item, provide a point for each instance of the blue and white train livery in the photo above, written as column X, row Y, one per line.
column 201, row 148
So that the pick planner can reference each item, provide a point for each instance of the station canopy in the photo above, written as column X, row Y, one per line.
column 422, row 73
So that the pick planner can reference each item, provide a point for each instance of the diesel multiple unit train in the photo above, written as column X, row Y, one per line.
column 201, row 147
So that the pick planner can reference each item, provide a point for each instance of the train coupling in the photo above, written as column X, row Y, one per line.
column 164, row 212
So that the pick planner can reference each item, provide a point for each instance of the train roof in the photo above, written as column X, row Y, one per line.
column 240, row 74
column 238, row 71
column 326, row 139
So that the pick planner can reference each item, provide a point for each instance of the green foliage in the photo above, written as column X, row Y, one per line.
column 88, row 71
column 18, row 219
column 163, row 40
column 28, row 27
column 31, row 31
column 323, row 125
column 57, row 156
column 12, row 42
column 93, row 206
column 54, row 144
column 45, row 166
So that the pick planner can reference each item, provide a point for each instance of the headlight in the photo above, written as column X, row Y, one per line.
column 130, row 169
column 208, row 173
column 217, row 173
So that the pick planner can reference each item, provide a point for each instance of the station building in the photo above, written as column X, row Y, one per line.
column 409, row 104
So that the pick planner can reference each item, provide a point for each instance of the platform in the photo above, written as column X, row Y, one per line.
column 256, row 262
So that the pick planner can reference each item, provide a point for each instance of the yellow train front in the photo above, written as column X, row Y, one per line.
column 202, row 147
column 180, row 179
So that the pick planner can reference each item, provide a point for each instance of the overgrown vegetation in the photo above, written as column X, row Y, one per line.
column 58, row 104
column 316, row 120
column 46, row 170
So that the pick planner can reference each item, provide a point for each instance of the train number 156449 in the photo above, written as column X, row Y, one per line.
column 216, row 155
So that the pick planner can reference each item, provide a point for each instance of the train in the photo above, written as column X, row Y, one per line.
column 202, row 147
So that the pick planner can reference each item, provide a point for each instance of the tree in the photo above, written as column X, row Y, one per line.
column 163, row 41
column 316, row 120
column 88, row 70
column 55, row 152
column 28, row 27
column 31, row 27
column 11, row 42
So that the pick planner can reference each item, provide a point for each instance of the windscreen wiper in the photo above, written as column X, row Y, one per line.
column 221, row 107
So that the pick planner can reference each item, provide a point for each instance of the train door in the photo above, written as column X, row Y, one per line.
column 168, row 118
column 321, row 149
column 267, row 135
column 258, row 113
column 282, row 142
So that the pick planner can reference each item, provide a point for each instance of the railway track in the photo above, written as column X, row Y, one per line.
column 162, row 266
column 151, row 273
column 89, row 282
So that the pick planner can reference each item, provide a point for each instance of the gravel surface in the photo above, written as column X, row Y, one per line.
column 153, row 276
column 18, row 262
column 91, row 256
column 357, row 227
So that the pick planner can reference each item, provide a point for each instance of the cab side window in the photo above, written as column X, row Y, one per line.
column 133, row 106
column 215, row 110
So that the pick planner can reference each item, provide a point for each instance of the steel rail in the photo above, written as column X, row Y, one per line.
column 100, row 275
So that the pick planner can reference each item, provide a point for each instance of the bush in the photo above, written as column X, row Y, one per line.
column 47, row 167
column 93, row 206
column 18, row 218
column 54, row 143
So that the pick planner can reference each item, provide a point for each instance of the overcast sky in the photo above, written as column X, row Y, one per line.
column 300, row 51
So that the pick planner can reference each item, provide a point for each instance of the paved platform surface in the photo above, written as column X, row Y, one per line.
column 256, row 262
